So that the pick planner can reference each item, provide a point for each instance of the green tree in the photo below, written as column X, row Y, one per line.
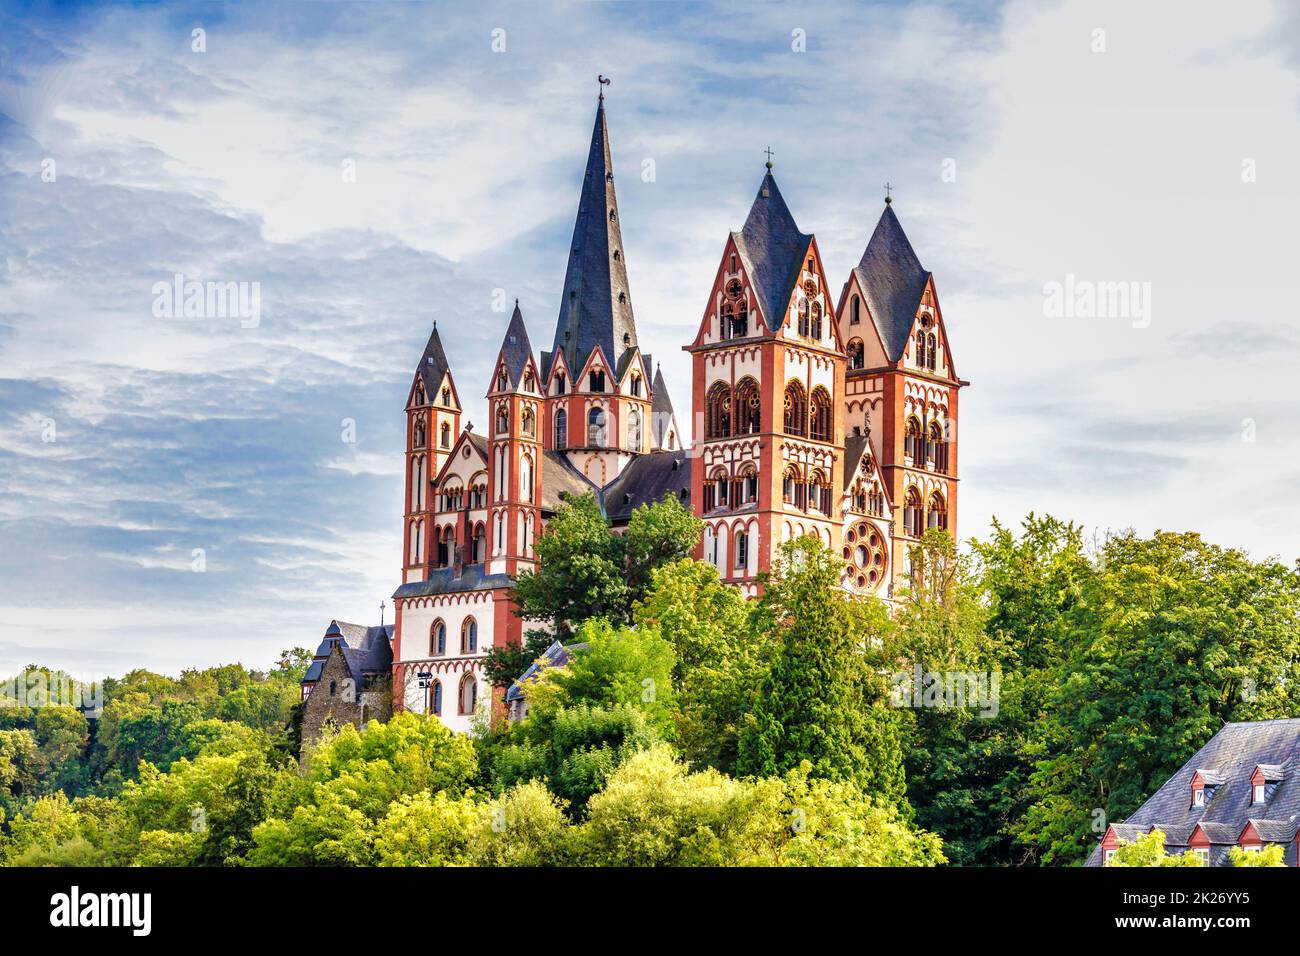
column 822, row 701
column 658, row 535
column 1149, row 850
column 720, row 660
column 1272, row 855
column 1168, row 640
column 426, row 829
column 581, row 571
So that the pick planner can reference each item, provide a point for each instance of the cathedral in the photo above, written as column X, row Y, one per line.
column 811, row 415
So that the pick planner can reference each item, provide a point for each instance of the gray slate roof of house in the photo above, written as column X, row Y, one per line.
column 516, row 350
column 366, row 649
column 662, row 417
column 772, row 249
column 892, row 280
column 645, row 480
column 1232, row 754
column 433, row 363
column 591, row 310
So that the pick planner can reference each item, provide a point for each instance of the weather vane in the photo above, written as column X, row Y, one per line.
column 604, row 82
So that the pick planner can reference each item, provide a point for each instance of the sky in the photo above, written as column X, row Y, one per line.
column 186, row 491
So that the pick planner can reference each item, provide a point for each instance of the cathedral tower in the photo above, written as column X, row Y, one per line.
column 515, row 407
column 768, row 373
column 599, row 400
column 432, row 426
column 901, row 384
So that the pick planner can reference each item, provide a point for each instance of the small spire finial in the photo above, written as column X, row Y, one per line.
column 889, row 198
column 382, row 605
column 769, row 158
column 604, row 82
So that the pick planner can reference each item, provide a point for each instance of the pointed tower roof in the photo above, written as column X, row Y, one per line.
column 772, row 248
column 596, row 306
column 893, row 281
column 433, row 364
column 662, row 417
column 516, row 350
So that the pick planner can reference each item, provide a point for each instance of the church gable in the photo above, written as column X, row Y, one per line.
column 468, row 456
column 597, row 364
column 732, row 310
column 927, row 343
column 810, row 313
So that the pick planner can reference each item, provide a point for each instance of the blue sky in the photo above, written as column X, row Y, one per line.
column 1117, row 164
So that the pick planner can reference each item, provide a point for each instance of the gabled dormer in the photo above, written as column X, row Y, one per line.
column 1204, row 784
column 633, row 380
column 1264, row 781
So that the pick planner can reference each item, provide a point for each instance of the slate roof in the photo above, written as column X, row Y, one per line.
column 557, row 655
column 892, row 280
column 772, row 249
column 662, row 417
column 645, row 480
column 1231, row 755
column 1275, row 831
column 854, row 448
column 433, row 364
column 560, row 478
column 516, row 350
column 444, row 581
column 366, row 649
column 591, row 312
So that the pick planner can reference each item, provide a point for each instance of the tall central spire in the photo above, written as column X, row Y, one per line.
column 596, row 306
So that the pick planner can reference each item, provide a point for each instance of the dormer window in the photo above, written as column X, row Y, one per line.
column 1198, row 797
column 559, row 384
column 596, row 381
column 1257, row 795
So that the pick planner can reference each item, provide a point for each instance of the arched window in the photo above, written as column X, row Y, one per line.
column 446, row 395
column 468, row 694
column 937, row 516
column 420, row 433
column 857, row 354
column 796, row 409
column 912, row 439
column 790, row 487
column 920, row 349
column 596, row 427
column 819, row 493
column 560, row 385
column 503, row 419
column 804, row 315
column 596, row 381
column 528, row 380
column 742, row 550
column 435, row 698
column 748, row 485
column 334, row 687
column 726, row 320
column 503, row 383
column 820, row 424
column 634, row 430
column 859, row 500
column 561, row 429
column 913, row 519
column 437, row 638
column 748, row 407
column 526, row 477
column 444, row 435
column 636, row 386
column 715, row 490
column 480, row 543
column 816, row 327
column 528, row 422
column 419, row 393
column 937, row 448
column 469, row 636
column 855, row 313
column 717, row 411
column 876, row 502
column 931, row 352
